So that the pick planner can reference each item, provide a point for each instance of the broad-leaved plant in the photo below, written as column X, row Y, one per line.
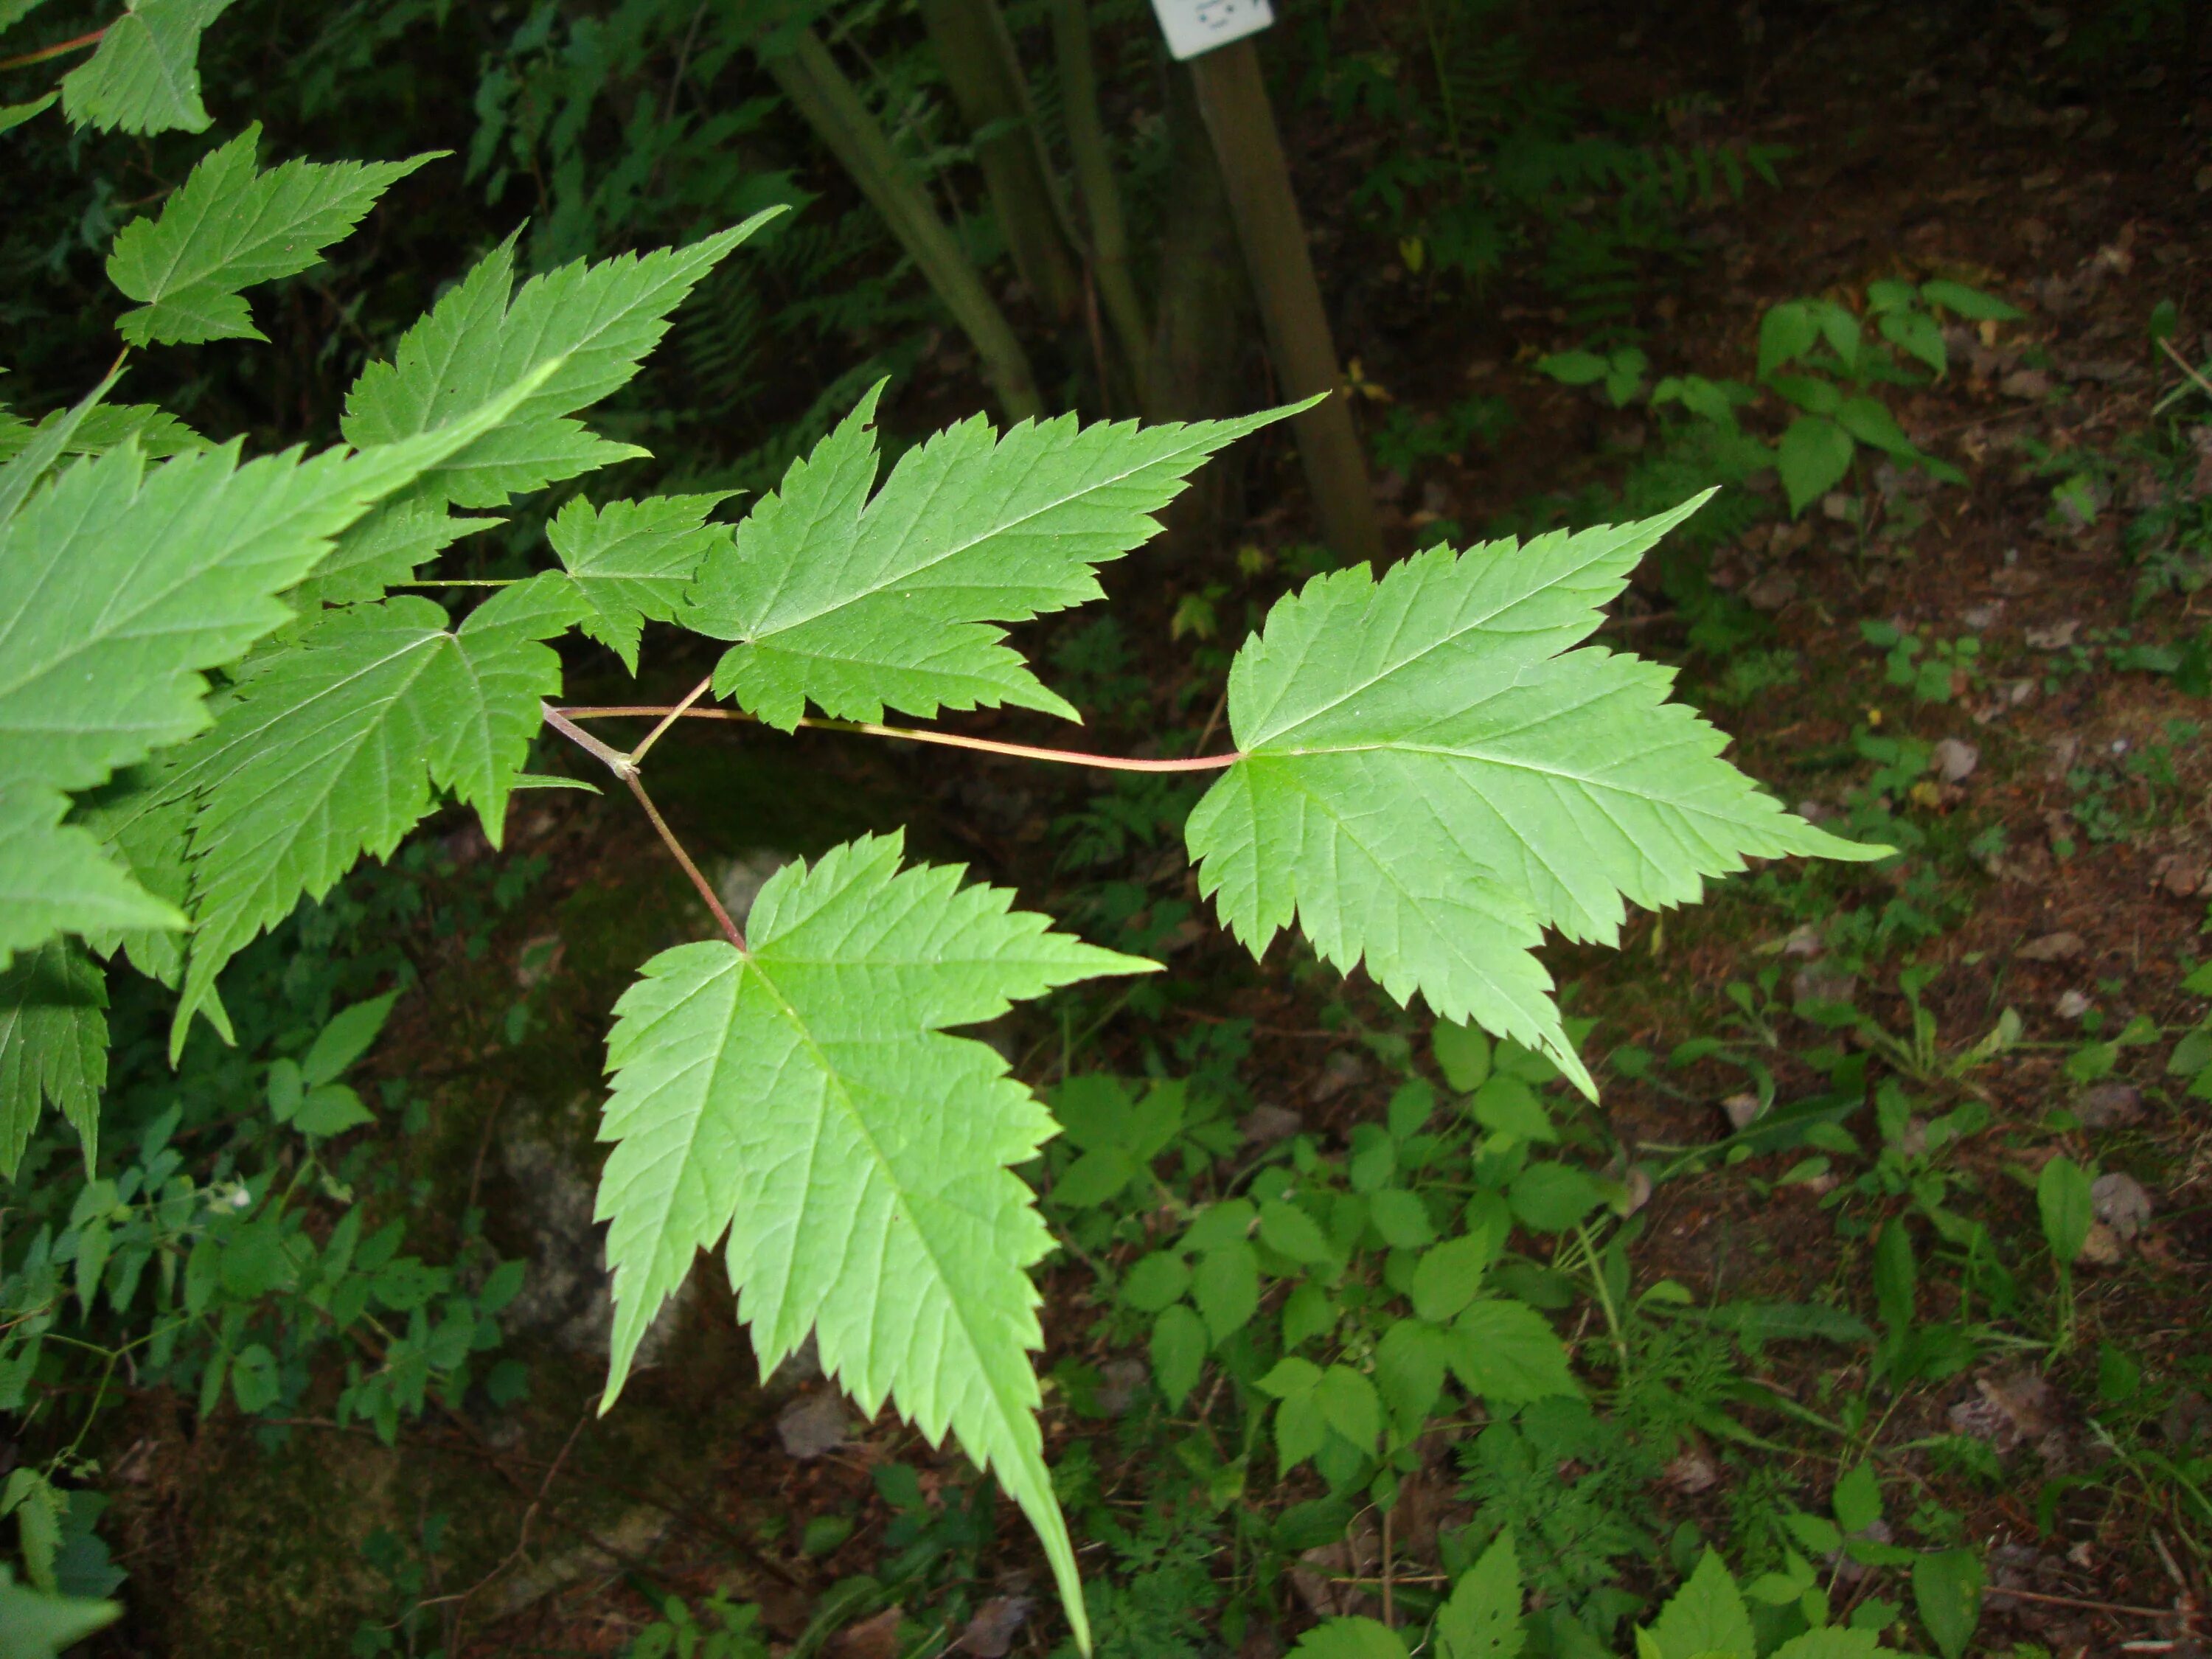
column 225, row 680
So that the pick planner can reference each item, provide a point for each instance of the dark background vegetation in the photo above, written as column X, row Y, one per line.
column 2004, row 675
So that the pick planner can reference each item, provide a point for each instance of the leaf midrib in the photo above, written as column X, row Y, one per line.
column 1438, row 644
column 908, row 572
column 1011, row 1414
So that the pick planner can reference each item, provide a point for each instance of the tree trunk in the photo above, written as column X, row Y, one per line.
column 1233, row 99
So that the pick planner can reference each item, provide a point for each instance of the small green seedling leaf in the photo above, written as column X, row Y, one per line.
column 2062, row 1199
column 1946, row 1592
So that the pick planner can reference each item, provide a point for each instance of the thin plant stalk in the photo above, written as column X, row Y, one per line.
column 980, row 67
column 802, row 66
column 563, row 720
column 1095, row 183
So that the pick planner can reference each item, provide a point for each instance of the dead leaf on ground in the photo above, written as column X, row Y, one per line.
column 875, row 1638
column 991, row 1632
column 1772, row 591
column 2102, row 1247
column 2056, row 637
column 1955, row 760
column 2052, row 947
column 1265, row 1124
column 2121, row 1203
column 1120, row 1382
column 2009, row 1411
column 1693, row 1472
column 813, row 1425
column 2181, row 874
column 2108, row 1105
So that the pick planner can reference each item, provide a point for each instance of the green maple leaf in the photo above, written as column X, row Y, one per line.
column 120, row 585
column 597, row 319
column 144, row 76
column 802, row 1094
column 333, row 745
column 35, row 1625
column 860, row 604
column 386, row 547
column 630, row 562
column 160, row 434
column 55, row 877
column 54, row 1046
column 229, row 227
column 1430, row 777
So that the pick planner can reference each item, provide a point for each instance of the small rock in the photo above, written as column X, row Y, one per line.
column 1955, row 760
column 991, row 1632
column 2108, row 1105
column 1772, row 591
column 813, row 1425
column 2052, row 947
column 2103, row 1248
column 2056, row 637
column 2121, row 1204
column 1265, row 1125
column 2072, row 1004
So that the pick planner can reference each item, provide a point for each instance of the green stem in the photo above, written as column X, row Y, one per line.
column 624, row 767
column 978, row 58
column 637, row 755
column 1095, row 182
column 818, row 88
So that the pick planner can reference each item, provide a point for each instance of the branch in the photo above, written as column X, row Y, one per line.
column 624, row 767
column 563, row 718
column 55, row 50
column 2182, row 362
column 668, row 839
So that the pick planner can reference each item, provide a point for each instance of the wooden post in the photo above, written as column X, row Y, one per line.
column 1233, row 100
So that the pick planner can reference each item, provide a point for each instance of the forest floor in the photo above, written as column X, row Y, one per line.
column 2062, row 869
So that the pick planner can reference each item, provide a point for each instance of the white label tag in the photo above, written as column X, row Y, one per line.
column 1193, row 26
